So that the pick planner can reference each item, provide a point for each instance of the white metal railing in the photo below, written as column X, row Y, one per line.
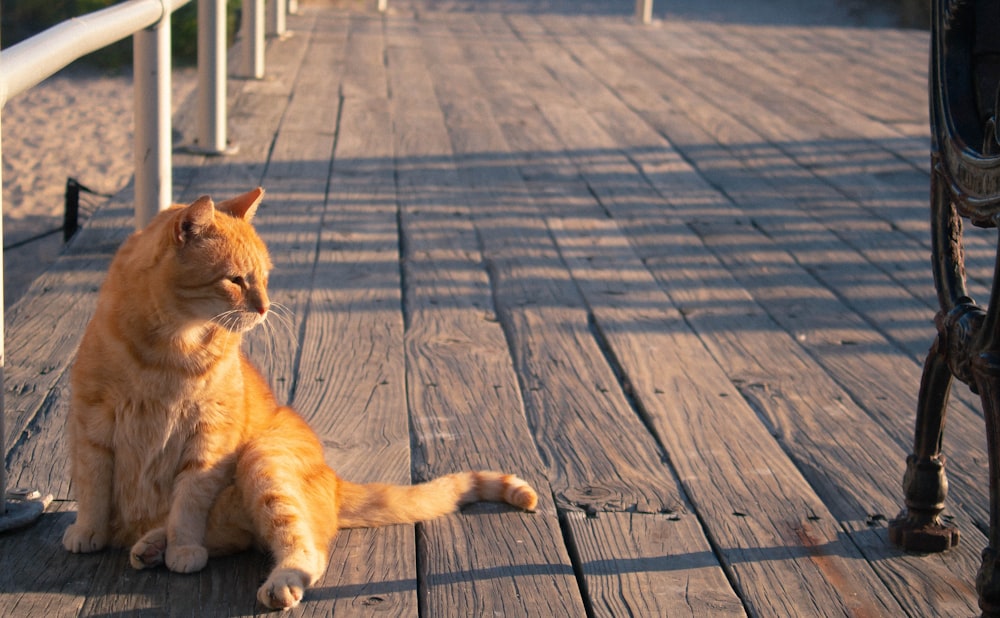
column 26, row 64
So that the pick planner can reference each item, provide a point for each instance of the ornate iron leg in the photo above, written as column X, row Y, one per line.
column 925, row 486
column 965, row 182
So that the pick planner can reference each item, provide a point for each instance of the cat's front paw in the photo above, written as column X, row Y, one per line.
column 283, row 589
column 186, row 558
column 149, row 550
column 84, row 539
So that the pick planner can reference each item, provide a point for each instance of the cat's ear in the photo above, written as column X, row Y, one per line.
column 243, row 206
column 194, row 219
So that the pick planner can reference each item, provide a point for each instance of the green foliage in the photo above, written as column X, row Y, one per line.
column 24, row 18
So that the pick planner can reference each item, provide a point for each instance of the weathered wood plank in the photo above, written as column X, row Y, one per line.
column 226, row 587
column 40, row 460
column 36, row 565
column 351, row 382
column 745, row 187
column 887, row 310
column 807, row 73
column 600, row 455
column 371, row 573
column 321, row 75
column 289, row 223
column 636, row 564
column 854, row 159
column 465, row 403
column 364, row 67
column 657, row 353
column 609, row 183
column 781, row 399
column 349, row 377
column 589, row 436
column 849, row 461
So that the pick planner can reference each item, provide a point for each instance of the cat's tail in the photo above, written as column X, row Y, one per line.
column 377, row 504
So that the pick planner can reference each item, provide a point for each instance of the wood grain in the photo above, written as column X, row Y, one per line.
column 465, row 405
column 636, row 564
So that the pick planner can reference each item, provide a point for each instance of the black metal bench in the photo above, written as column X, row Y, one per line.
column 965, row 184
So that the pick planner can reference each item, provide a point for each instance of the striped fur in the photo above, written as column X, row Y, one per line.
column 179, row 449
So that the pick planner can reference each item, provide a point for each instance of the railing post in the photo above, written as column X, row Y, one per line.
column 211, row 122
column 293, row 7
column 643, row 11
column 253, row 39
column 381, row 5
column 277, row 10
column 153, row 172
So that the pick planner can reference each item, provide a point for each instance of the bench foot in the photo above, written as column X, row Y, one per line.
column 922, row 534
column 918, row 527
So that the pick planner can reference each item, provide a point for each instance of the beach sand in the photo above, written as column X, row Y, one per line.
column 76, row 124
column 79, row 124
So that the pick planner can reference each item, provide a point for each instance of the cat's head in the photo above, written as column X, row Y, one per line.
column 221, row 265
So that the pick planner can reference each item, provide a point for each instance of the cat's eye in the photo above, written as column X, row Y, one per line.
column 240, row 281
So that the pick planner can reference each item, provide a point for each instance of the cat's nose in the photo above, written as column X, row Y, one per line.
column 259, row 302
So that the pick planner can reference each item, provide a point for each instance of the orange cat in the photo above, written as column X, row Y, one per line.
column 178, row 445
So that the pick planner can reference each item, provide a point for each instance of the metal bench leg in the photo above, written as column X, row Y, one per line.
column 925, row 486
column 968, row 348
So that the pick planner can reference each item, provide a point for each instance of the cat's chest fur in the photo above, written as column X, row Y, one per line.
column 161, row 427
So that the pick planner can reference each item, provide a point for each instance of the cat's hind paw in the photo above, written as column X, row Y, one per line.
column 186, row 558
column 149, row 550
column 283, row 589
column 83, row 540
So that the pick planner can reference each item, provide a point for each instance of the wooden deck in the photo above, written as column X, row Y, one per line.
column 675, row 276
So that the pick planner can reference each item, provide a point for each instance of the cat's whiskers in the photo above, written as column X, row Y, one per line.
column 232, row 321
column 266, row 340
column 285, row 317
column 227, row 319
column 272, row 340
